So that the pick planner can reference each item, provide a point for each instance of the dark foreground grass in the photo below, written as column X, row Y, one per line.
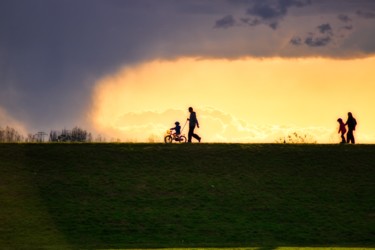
column 208, row 195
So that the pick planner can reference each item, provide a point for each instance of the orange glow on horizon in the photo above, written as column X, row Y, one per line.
column 245, row 100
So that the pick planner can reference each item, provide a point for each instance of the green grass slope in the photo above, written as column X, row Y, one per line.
column 61, row 196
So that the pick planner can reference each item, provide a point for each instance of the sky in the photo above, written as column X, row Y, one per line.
column 253, row 70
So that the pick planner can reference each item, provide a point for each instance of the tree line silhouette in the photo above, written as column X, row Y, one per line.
column 77, row 134
column 9, row 134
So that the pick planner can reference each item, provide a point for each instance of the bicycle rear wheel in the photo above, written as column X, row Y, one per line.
column 183, row 139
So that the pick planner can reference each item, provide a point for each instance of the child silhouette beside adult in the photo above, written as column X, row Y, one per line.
column 177, row 128
column 342, row 129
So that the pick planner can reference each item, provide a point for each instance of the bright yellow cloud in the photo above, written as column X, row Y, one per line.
column 254, row 100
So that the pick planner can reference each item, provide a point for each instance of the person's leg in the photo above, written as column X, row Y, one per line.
column 342, row 138
column 353, row 139
column 190, row 134
column 197, row 137
column 349, row 136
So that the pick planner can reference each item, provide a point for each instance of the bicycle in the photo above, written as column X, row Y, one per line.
column 172, row 137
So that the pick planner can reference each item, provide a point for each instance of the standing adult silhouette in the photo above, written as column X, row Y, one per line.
column 351, row 123
column 193, row 121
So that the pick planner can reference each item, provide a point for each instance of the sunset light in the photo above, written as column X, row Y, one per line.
column 187, row 124
column 243, row 100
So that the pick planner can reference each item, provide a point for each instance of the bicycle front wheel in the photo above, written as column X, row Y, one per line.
column 168, row 139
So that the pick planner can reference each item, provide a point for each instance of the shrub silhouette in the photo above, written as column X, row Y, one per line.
column 295, row 138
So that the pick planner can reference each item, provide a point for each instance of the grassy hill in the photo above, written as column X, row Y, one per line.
column 61, row 196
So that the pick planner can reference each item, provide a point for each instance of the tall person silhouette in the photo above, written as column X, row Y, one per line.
column 351, row 123
column 193, row 121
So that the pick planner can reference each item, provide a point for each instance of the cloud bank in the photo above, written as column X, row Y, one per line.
column 216, row 126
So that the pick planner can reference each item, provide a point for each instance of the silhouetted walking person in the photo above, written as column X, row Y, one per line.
column 342, row 129
column 193, row 121
column 352, row 123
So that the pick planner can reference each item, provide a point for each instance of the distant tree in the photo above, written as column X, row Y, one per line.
column 10, row 135
column 65, row 136
column 78, row 135
column 115, row 140
column 89, row 137
column 296, row 138
column 75, row 135
column 29, row 138
column 39, row 137
column 99, row 138
column 54, row 136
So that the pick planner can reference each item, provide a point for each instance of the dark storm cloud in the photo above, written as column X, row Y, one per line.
column 317, row 41
column 274, row 9
column 344, row 18
column 268, row 12
column 225, row 22
column 347, row 27
column 347, row 21
column 311, row 40
column 296, row 41
column 366, row 14
column 52, row 51
column 325, row 29
column 323, row 36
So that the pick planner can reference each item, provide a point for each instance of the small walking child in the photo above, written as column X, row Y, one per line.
column 342, row 129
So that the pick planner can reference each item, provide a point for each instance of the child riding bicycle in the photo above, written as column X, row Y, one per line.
column 177, row 129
